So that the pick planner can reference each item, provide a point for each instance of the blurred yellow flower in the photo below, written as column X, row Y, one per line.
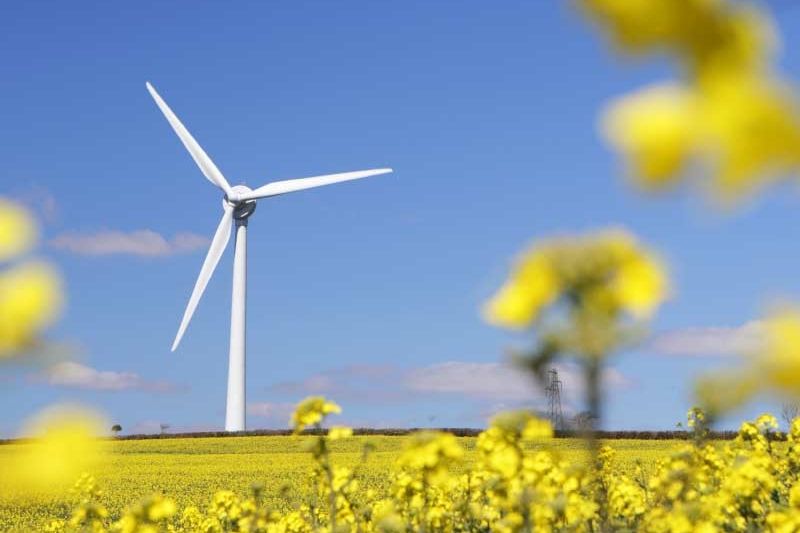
column 160, row 508
column 532, row 286
column 430, row 450
column 640, row 285
column 779, row 358
column 656, row 128
column 312, row 411
column 30, row 292
column 730, row 117
column 703, row 34
column 18, row 231
column 65, row 444
column 752, row 127
column 520, row 424
column 745, row 128
column 30, row 300
column 537, row 428
column 340, row 432
column 607, row 272
column 771, row 365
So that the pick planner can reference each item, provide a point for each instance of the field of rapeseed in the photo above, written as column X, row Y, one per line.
column 512, row 477
column 190, row 471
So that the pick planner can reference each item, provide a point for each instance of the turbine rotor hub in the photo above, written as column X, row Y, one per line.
column 242, row 209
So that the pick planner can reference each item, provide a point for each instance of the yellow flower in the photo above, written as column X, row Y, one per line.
column 702, row 34
column 537, row 428
column 430, row 450
column 513, row 425
column 606, row 273
column 752, row 127
column 30, row 292
column 339, row 432
column 312, row 411
column 532, row 286
column 17, row 230
column 386, row 518
column 160, row 508
column 30, row 299
column 65, row 445
column 640, row 285
column 657, row 129
column 730, row 117
column 779, row 359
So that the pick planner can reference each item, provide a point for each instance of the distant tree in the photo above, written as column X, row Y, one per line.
column 116, row 428
column 790, row 411
column 164, row 428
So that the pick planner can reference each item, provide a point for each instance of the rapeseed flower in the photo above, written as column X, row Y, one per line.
column 311, row 412
column 65, row 444
column 607, row 272
column 430, row 451
column 730, row 116
column 18, row 232
column 657, row 130
column 778, row 360
column 30, row 300
column 30, row 290
column 340, row 432
column 771, row 365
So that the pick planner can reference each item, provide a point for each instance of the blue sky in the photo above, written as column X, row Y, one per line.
column 368, row 292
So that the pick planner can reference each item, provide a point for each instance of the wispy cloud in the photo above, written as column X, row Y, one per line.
column 496, row 383
column 353, row 382
column 142, row 242
column 42, row 201
column 272, row 413
column 76, row 375
column 709, row 341
column 499, row 382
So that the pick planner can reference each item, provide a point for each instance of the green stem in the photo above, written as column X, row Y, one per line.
column 594, row 401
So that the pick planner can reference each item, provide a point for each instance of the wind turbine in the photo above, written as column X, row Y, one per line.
column 238, row 204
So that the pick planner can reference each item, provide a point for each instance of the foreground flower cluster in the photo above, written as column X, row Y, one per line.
column 729, row 115
column 518, row 481
column 30, row 289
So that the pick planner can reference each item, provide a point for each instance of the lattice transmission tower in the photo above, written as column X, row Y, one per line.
column 553, row 390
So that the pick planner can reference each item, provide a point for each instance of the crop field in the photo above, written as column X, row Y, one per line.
column 191, row 470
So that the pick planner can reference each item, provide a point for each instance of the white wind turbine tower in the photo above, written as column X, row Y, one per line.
column 238, row 204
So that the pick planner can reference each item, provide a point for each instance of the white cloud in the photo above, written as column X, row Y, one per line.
column 42, row 201
column 354, row 382
column 496, row 383
column 76, row 375
column 275, row 413
column 500, row 382
column 709, row 341
column 142, row 242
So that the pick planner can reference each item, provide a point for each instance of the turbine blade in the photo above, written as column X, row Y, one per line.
column 207, row 166
column 282, row 187
column 218, row 244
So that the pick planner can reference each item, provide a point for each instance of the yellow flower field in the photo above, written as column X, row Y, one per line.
column 190, row 471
